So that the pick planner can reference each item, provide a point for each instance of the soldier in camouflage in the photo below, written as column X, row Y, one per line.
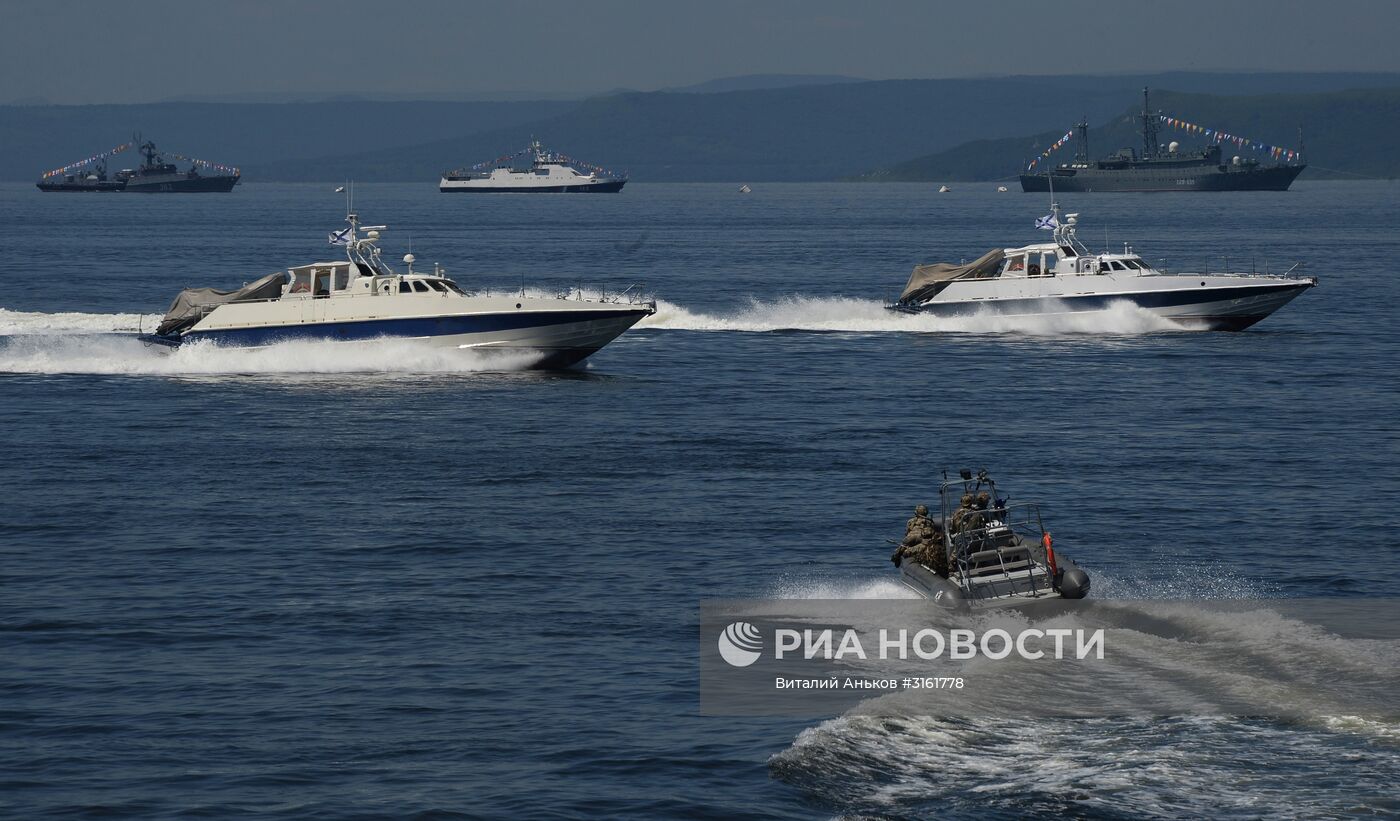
column 960, row 516
column 923, row 542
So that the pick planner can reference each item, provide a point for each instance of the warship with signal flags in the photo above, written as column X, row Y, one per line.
column 1168, row 167
column 155, row 175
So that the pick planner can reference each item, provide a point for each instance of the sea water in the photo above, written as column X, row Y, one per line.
column 317, row 581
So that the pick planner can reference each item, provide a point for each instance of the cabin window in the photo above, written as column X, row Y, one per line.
column 452, row 286
column 301, row 282
column 1132, row 264
column 1118, row 266
column 323, row 283
column 1016, row 265
column 405, row 288
column 437, row 286
column 1047, row 265
column 340, row 279
column 420, row 287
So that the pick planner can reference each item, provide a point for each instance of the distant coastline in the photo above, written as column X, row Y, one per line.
column 847, row 130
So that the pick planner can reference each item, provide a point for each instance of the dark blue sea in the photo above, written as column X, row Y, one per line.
column 317, row 583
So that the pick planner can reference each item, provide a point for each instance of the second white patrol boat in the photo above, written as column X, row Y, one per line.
column 360, row 299
column 1063, row 276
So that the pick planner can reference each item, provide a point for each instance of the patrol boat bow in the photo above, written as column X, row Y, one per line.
column 361, row 299
column 1065, row 277
column 1000, row 556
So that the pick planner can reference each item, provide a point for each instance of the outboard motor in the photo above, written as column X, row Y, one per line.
column 1074, row 583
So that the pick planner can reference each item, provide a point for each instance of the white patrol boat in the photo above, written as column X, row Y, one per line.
column 1064, row 276
column 361, row 299
column 999, row 555
column 546, row 172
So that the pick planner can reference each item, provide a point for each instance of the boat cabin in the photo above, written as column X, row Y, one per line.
column 1048, row 260
column 1067, row 256
column 325, row 279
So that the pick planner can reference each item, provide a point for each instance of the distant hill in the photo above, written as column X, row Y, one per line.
column 808, row 130
column 1345, row 131
column 755, row 82
column 792, row 134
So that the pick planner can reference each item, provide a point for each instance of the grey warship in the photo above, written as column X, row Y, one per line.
column 1160, row 168
column 155, row 175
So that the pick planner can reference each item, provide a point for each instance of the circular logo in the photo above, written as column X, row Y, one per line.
column 740, row 644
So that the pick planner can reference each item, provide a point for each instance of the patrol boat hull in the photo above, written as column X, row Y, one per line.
column 1211, row 303
column 561, row 337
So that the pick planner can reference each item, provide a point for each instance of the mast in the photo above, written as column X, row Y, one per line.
column 148, row 150
column 1149, row 128
column 1082, row 155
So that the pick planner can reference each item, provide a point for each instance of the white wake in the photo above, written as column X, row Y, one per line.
column 67, row 353
column 13, row 323
column 844, row 314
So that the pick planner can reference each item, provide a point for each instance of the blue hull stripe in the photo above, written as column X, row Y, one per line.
column 1096, row 302
column 410, row 327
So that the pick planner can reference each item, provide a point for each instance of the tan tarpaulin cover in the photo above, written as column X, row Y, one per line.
column 925, row 279
column 193, row 304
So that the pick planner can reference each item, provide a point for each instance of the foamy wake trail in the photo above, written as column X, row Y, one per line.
column 14, row 323
column 107, row 354
column 807, row 588
column 843, row 314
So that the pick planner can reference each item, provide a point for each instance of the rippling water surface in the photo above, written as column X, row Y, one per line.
column 311, row 582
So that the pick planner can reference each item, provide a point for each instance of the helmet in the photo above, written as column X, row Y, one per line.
column 983, row 499
column 921, row 510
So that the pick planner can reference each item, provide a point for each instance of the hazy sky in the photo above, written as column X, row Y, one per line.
column 104, row 51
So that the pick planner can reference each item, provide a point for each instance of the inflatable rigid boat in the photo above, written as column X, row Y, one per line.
column 999, row 555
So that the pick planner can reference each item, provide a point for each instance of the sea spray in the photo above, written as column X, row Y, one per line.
column 125, row 355
column 13, row 323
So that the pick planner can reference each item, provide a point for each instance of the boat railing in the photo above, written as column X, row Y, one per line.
column 1295, row 271
column 1022, row 518
column 634, row 294
column 971, row 550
